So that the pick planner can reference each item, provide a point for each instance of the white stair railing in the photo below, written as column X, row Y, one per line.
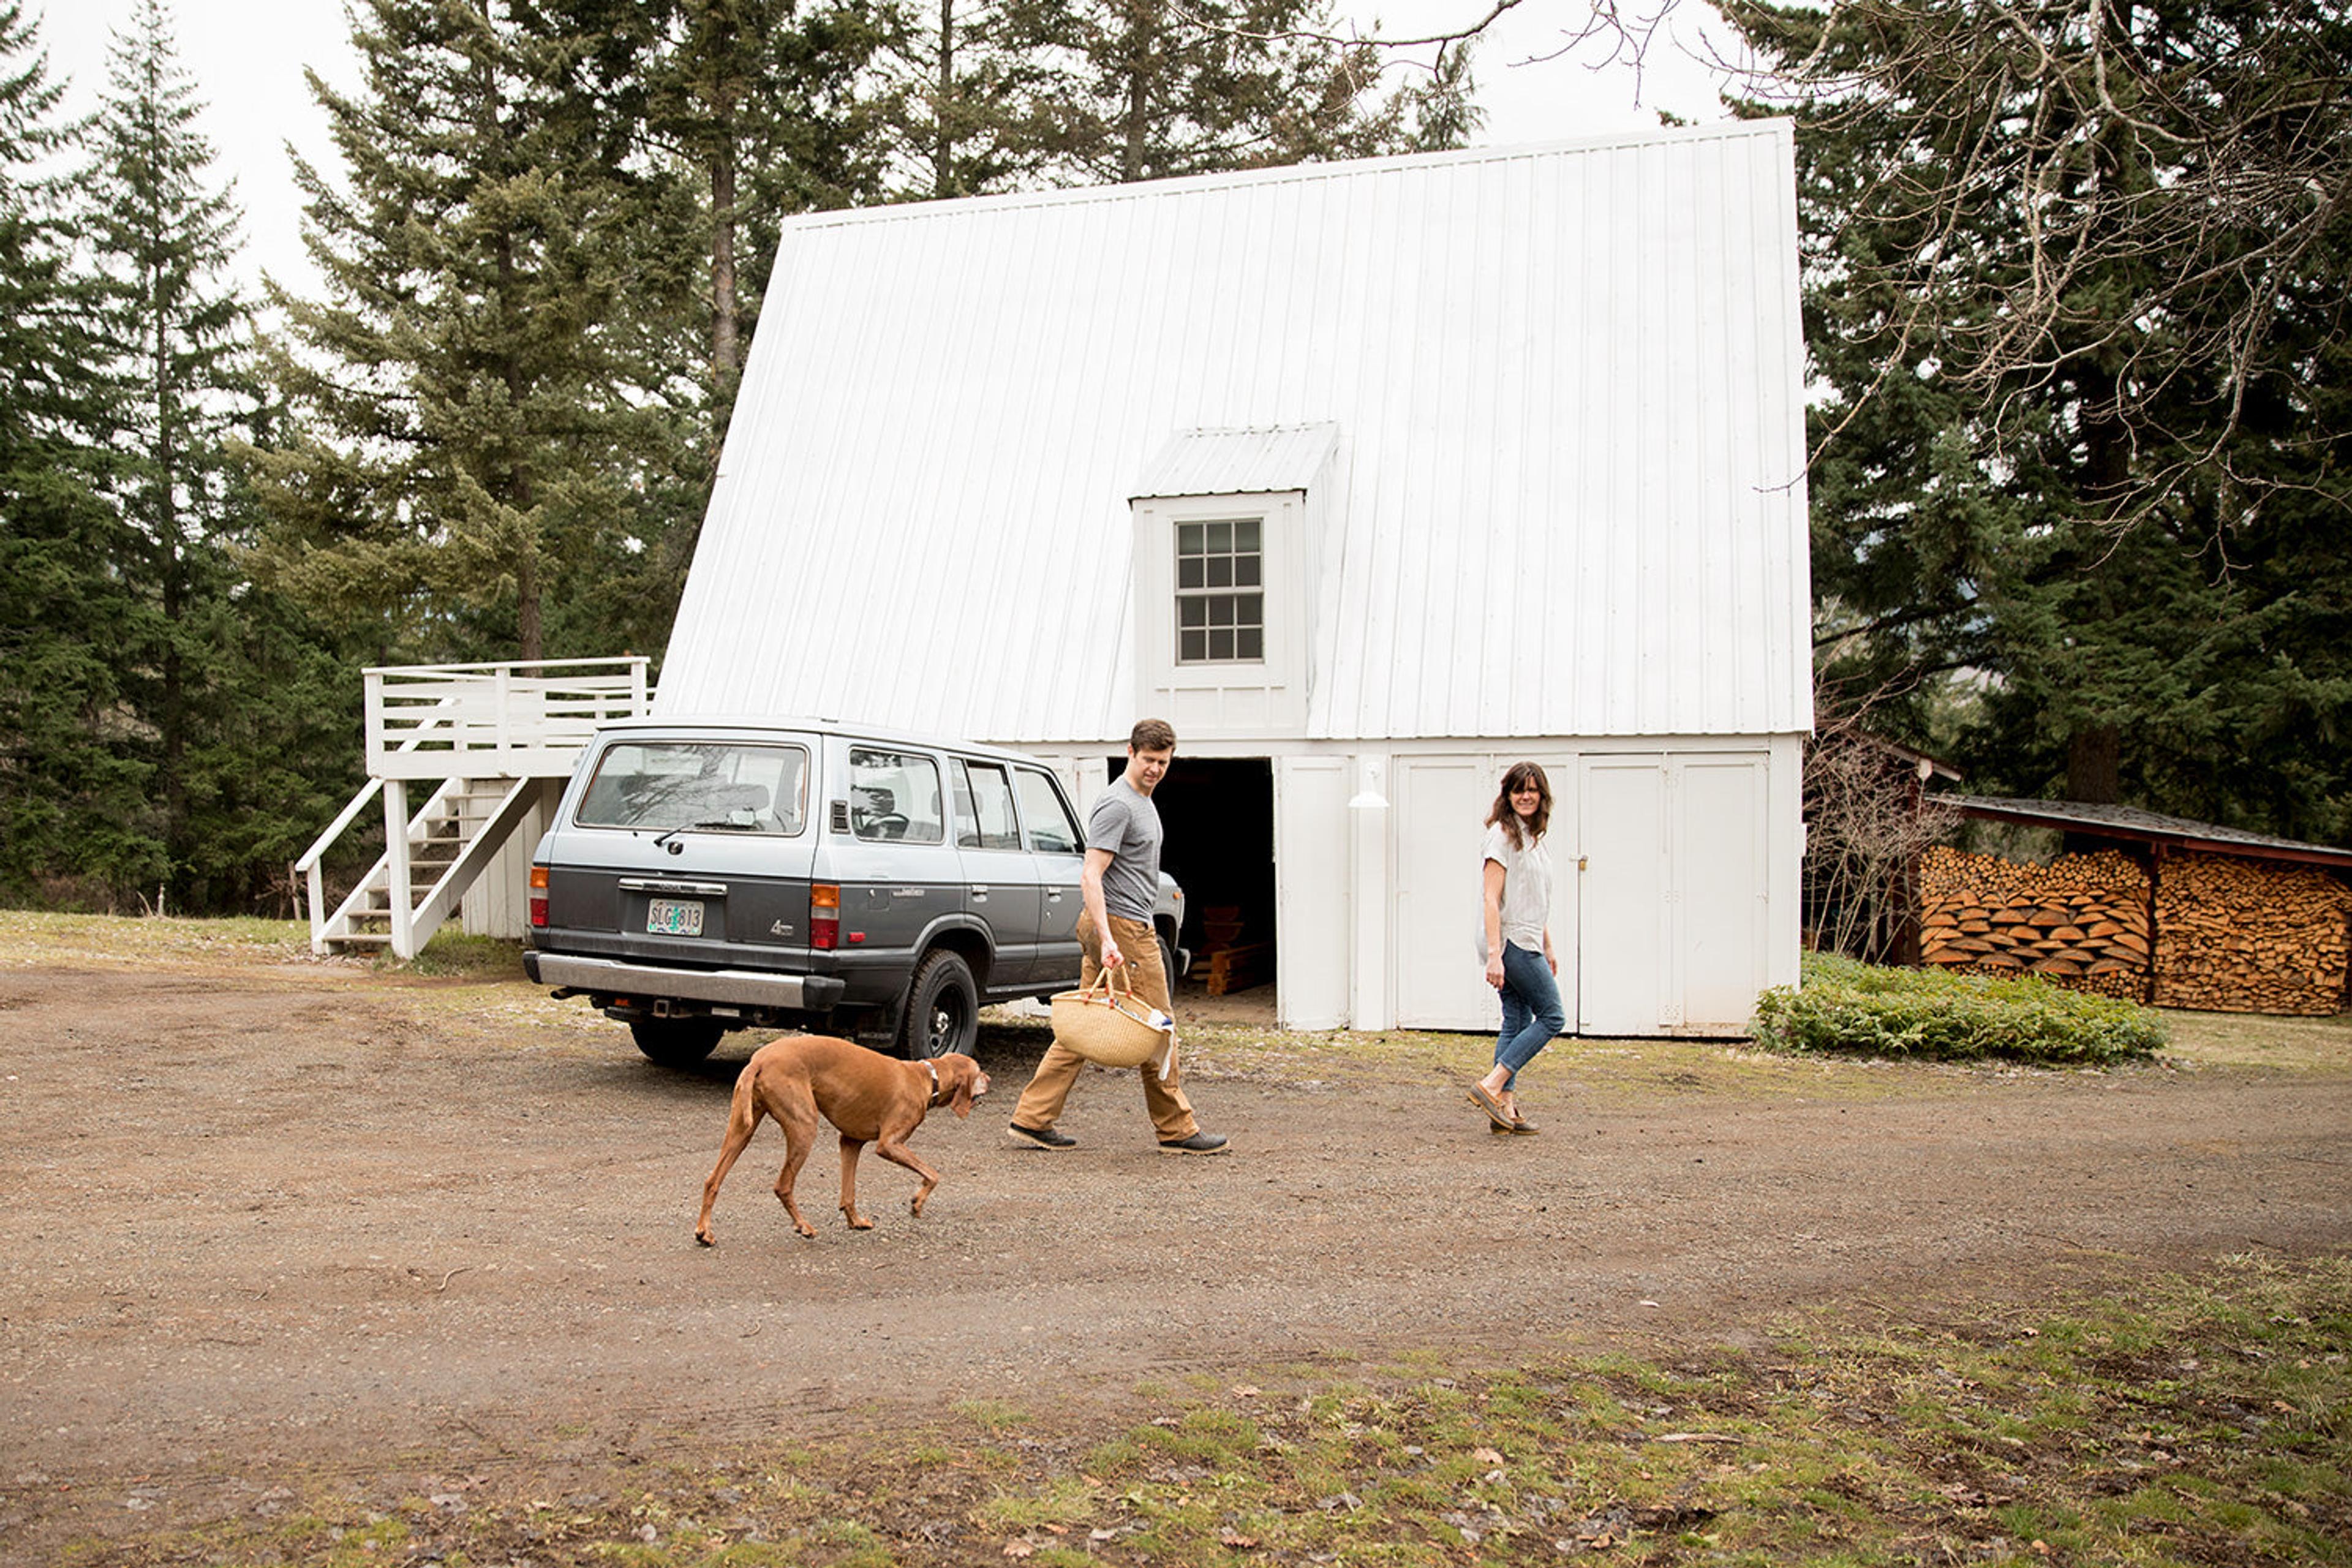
column 510, row 725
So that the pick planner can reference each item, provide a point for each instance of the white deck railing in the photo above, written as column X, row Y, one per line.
column 514, row 720
column 449, row 722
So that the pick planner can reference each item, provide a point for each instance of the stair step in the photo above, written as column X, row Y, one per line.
column 361, row 938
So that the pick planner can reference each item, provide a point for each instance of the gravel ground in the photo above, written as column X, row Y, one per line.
column 255, row 1214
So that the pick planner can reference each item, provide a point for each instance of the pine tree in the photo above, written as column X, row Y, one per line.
column 1144, row 89
column 75, row 823
column 2076, row 291
column 470, row 449
column 175, row 333
column 964, row 110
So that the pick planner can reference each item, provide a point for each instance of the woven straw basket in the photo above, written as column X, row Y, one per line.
column 1112, row 1028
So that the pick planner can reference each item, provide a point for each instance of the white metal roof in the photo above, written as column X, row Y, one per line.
column 1567, row 384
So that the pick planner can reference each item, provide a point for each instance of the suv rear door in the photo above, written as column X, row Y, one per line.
column 897, row 870
column 1057, row 848
column 1000, row 875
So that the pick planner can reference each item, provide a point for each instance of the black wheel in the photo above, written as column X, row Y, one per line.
column 942, row 1009
column 1168, row 963
column 676, row 1042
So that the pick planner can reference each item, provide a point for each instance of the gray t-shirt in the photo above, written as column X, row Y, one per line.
column 1125, row 822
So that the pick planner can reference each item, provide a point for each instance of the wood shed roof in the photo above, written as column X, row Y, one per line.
column 2132, row 825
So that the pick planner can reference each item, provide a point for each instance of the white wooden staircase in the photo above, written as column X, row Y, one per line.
column 496, row 741
column 461, row 827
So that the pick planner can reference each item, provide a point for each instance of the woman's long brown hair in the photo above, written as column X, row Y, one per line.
column 1507, row 819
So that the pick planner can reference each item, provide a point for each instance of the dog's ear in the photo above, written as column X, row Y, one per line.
column 969, row 1084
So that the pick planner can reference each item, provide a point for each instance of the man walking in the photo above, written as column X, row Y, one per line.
column 1120, row 883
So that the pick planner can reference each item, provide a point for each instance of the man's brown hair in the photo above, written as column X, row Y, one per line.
column 1152, row 735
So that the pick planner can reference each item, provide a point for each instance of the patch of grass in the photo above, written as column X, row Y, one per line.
column 2203, row 1421
column 133, row 941
column 453, row 954
column 995, row 1416
column 2256, row 1039
column 1062, row 1499
column 1859, row 1009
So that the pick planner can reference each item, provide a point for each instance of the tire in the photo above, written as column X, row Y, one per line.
column 942, row 1009
column 676, row 1042
column 1168, row 963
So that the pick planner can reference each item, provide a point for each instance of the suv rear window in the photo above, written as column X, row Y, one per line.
column 715, row 785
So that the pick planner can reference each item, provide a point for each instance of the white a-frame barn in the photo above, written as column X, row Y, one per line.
column 1370, row 478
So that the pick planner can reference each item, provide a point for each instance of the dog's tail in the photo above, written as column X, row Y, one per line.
column 744, row 1113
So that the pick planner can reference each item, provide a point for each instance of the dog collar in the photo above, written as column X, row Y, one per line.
column 935, row 1080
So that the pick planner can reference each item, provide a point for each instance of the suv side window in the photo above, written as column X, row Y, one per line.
column 895, row 796
column 1052, row 829
column 983, row 795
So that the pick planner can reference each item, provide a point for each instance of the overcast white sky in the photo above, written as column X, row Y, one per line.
column 247, row 56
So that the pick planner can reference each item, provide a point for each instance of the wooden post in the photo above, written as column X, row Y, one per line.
column 2155, row 937
column 1369, row 893
column 396, row 852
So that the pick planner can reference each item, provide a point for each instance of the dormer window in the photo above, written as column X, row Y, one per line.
column 1220, row 592
column 1229, row 528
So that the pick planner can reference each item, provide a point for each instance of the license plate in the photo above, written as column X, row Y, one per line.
column 674, row 917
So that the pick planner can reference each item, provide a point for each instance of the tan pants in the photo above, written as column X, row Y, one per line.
column 1172, row 1113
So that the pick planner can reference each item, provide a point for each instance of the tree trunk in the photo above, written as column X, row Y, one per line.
column 174, row 716
column 725, row 351
column 527, row 631
column 2094, row 765
column 943, row 182
column 725, row 355
column 1136, row 126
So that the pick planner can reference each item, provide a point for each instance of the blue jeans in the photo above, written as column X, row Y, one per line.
column 1531, row 1011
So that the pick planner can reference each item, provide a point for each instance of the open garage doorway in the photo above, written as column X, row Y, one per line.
column 1218, row 817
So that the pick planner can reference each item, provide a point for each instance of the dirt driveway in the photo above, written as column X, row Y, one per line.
column 254, row 1213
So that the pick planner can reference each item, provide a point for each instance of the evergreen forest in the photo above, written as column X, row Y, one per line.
column 2075, row 296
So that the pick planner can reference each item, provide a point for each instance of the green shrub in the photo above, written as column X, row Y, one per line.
column 1856, row 1009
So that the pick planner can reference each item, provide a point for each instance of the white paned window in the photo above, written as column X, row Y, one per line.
column 1220, row 592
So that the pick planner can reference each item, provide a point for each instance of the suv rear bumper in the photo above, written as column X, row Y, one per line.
column 802, row 992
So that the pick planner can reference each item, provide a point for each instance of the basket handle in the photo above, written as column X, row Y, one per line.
column 1102, row 985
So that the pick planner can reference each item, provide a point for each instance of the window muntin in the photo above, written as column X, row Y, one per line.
column 1052, row 829
column 717, row 786
column 1220, row 592
column 984, row 797
column 895, row 796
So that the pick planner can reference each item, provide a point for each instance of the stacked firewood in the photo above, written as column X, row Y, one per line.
column 2081, row 921
column 2249, row 936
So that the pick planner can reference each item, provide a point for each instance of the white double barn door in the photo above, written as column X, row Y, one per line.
column 1660, row 905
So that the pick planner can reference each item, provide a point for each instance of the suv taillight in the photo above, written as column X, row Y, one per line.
column 538, row 897
column 825, row 915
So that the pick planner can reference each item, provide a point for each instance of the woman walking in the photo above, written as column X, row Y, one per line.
column 1515, row 939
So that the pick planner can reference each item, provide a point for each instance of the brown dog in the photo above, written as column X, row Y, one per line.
column 870, row 1099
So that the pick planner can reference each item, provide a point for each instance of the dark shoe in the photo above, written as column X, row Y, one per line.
column 1199, row 1143
column 1521, row 1124
column 1483, row 1099
column 1041, row 1137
